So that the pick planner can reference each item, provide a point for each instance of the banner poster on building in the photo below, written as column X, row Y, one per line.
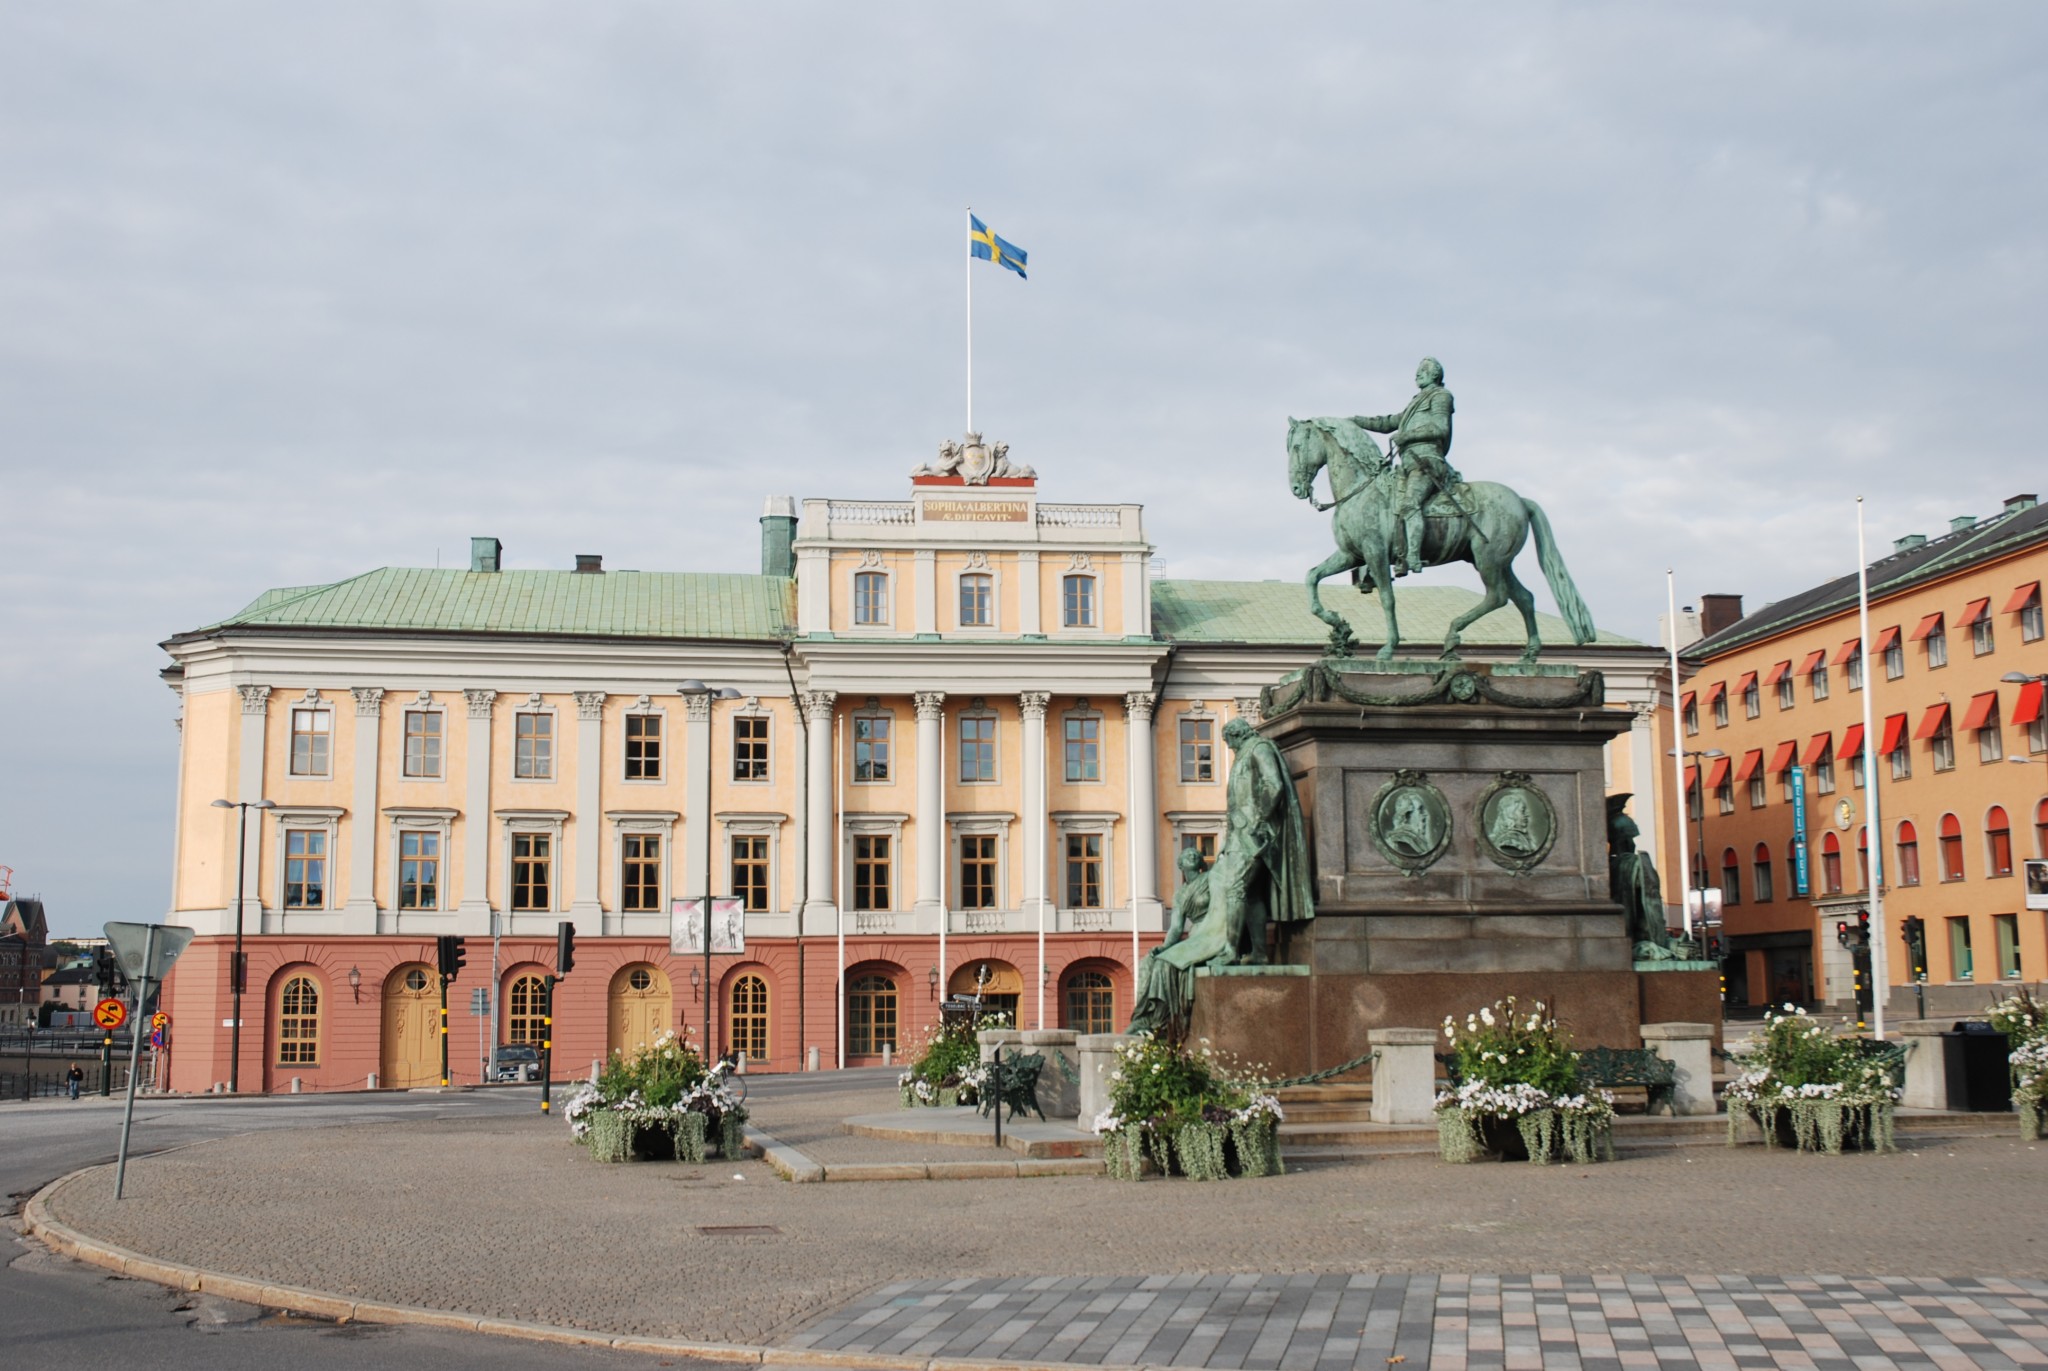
column 686, row 926
column 1799, row 885
column 2037, row 884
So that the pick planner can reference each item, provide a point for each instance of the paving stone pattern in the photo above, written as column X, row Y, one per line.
column 1337, row 1322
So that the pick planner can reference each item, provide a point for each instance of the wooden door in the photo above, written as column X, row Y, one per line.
column 640, row 1008
column 410, row 1050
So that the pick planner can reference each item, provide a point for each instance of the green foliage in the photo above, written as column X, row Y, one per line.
column 661, row 1073
column 1504, row 1045
column 951, row 1050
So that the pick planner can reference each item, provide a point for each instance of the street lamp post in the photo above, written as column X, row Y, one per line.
column 235, row 975
column 1700, row 815
column 710, row 695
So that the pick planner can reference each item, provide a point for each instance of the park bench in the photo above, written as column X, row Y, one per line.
column 1013, row 1080
column 1613, row 1067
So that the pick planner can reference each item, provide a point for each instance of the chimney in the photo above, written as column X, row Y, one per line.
column 1909, row 542
column 1962, row 522
column 778, row 536
column 486, row 554
column 2015, row 503
column 1718, row 612
column 589, row 562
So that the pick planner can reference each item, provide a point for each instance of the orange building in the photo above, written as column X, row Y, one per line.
column 1960, row 751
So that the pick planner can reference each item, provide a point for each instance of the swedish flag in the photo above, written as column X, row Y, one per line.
column 984, row 244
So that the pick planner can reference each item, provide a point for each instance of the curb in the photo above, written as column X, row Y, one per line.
column 69, row 1242
column 796, row 1166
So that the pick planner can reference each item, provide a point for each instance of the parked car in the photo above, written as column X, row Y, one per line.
column 518, row 1062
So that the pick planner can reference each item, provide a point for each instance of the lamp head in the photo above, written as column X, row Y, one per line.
column 223, row 804
column 2020, row 678
column 264, row 804
column 692, row 688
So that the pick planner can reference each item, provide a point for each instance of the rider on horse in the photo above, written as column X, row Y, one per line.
column 1422, row 436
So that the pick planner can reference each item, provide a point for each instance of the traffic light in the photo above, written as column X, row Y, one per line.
column 565, row 948
column 1914, row 930
column 1863, row 926
column 1842, row 932
column 454, row 952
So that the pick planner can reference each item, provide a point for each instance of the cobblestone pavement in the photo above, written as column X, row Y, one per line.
column 505, row 1218
column 1338, row 1322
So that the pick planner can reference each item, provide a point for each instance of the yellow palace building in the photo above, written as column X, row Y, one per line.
column 935, row 738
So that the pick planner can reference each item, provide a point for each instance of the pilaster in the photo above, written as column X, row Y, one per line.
column 249, row 789
column 359, row 915
column 1037, row 873
column 473, row 915
column 1144, row 809
column 930, row 903
column 585, row 910
column 696, row 760
column 821, row 899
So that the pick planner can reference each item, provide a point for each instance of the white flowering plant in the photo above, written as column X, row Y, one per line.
column 1513, row 1064
column 663, row 1087
column 2024, row 1021
column 1803, row 1083
column 1192, row 1111
column 949, row 1059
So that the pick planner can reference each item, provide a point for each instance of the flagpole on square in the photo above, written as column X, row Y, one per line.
column 969, row 264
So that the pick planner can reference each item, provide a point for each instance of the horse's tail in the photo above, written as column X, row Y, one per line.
column 1576, row 616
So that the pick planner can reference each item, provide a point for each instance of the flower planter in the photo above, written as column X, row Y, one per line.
column 1541, row 1136
column 1201, row 1151
column 1843, row 1123
column 944, row 1097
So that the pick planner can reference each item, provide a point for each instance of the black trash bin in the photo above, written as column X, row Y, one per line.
column 1986, row 1074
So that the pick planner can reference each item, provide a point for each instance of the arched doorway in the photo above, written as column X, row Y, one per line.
column 640, row 1007
column 870, row 1013
column 747, row 1029
column 409, row 1051
column 1001, row 992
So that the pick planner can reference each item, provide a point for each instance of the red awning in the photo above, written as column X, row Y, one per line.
column 2022, row 596
column 1742, row 686
column 1818, row 748
column 1751, row 760
column 1931, row 721
column 1974, row 611
column 1777, row 673
column 1717, row 774
column 1894, row 735
column 1852, row 742
column 1885, row 638
column 1783, row 758
column 1982, row 707
column 1813, row 659
column 1685, row 701
column 2029, row 707
column 1928, row 625
column 1715, row 692
column 1846, row 651
column 1692, row 778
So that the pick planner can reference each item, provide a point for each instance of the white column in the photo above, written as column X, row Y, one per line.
column 931, row 809
column 1027, row 592
column 586, row 911
column 359, row 915
column 1144, row 810
column 819, row 897
column 1036, row 869
column 696, row 795
column 249, row 789
column 925, row 590
column 473, row 915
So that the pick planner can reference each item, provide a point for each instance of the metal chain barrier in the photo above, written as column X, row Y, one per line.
column 1315, row 1076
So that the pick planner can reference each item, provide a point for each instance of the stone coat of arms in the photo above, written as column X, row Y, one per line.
column 976, row 462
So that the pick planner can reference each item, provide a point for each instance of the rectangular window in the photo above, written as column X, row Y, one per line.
column 1980, row 635
column 1077, row 601
column 1764, row 885
column 1895, row 660
column 640, row 876
column 1720, row 711
column 2037, row 734
column 1961, row 965
column 419, row 870
column 871, row 871
column 423, row 744
column 1824, row 776
column 312, row 730
column 1197, row 750
column 1084, row 871
column 643, row 747
column 1998, row 845
column 1856, row 771
column 533, row 747
column 870, row 598
column 1731, row 884
column 1990, row 738
column 1785, row 696
column 1752, row 701
column 1902, row 762
column 1937, row 648
column 750, row 870
column 2030, row 620
column 1909, row 861
column 1943, row 745
column 1692, row 717
column 977, row 871
column 1724, row 796
column 533, row 868
column 305, row 867
column 1820, row 681
column 871, row 748
column 977, row 749
column 1084, row 748
column 750, row 747
column 1853, row 670
column 2007, row 927
column 1758, row 797
column 977, row 601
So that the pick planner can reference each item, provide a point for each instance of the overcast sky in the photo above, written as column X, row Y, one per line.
column 288, row 292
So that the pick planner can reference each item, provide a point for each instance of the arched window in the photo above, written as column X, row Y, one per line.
column 1762, row 865
column 1831, row 864
column 525, row 1007
column 870, row 1016
column 1863, row 856
column 1731, row 879
column 298, row 1023
column 749, row 1033
column 1998, row 842
column 1091, row 1003
column 1909, row 854
column 2041, row 829
column 1951, row 848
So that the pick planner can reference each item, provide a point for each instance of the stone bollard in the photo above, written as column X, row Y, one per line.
column 1059, row 1083
column 1689, row 1047
column 1930, row 1082
column 811, row 1059
column 1098, row 1059
column 373, row 1081
column 1404, row 1075
column 295, row 1085
column 888, row 1054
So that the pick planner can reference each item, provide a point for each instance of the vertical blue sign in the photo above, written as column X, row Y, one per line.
column 1799, row 874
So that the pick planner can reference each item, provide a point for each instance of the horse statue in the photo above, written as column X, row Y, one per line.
column 1481, row 522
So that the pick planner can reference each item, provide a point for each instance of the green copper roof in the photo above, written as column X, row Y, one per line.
column 1277, row 612
column 616, row 604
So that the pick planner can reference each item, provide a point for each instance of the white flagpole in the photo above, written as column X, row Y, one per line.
column 1880, row 962
column 970, row 320
column 839, row 836
column 1678, row 768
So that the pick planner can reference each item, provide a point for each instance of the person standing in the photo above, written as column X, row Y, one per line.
column 74, row 1078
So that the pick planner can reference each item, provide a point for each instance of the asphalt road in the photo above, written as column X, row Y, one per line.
column 54, row 1311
